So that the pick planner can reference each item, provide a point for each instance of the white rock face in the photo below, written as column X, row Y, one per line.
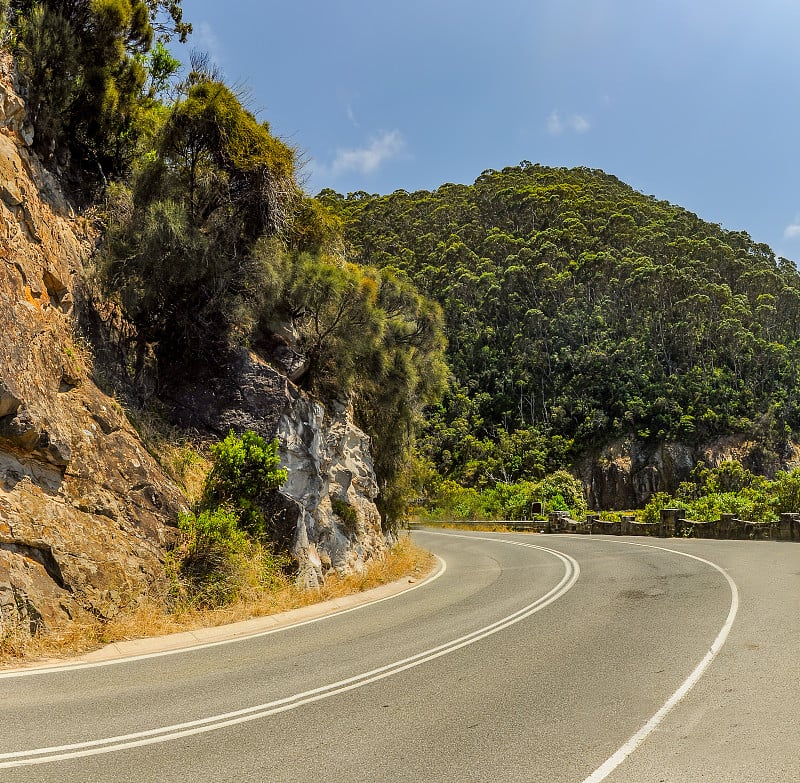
column 326, row 514
column 329, row 468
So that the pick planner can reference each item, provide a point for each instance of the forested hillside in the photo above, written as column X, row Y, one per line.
column 579, row 310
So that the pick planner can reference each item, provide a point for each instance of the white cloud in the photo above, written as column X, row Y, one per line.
column 368, row 159
column 792, row 231
column 351, row 115
column 206, row 40
column 579, row 123
column 556, row 124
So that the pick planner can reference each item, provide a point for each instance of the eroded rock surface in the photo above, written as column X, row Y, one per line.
column 326, row 512
column 84, row 509
column 626, row 473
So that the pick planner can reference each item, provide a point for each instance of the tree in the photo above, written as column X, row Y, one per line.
column 80, row 61
column 580, row 311
column 245, row 472
column 182, row 249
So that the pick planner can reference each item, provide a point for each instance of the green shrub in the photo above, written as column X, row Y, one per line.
column 511, row 501
column 245, row 472
column 453, row 501
column 213, row 547
column 218, row 562
column 561, row 491
column 657, row 502
column 785, row 492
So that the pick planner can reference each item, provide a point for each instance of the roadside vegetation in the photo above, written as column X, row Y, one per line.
column 223, row 566
column 730, row 488
column 161, row 613
column 446, row 500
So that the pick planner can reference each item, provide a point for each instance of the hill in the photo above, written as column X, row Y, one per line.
column 580, row 312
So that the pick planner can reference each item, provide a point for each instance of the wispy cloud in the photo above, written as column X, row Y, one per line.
column 556, row 124
column 368, row 159
column 579, row 123
column 205, row 39
column 351, row 115
column 792, row 231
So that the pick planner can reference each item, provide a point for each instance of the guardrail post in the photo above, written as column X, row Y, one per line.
column 625, row 522
column 669, row 520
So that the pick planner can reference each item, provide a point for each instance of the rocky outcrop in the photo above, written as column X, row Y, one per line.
column 326, row 514
column 84, row 509
column 626, row 473
column 332, row 481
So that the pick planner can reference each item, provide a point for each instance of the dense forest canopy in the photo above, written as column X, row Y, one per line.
column 579, row 310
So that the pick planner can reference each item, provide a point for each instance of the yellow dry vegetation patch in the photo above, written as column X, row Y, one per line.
column 152, row 617
column 482, row 527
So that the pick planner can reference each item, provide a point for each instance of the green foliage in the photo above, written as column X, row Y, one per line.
column 212, row 531
column 212, row 546
column 245, row 471
column 654, row 506
column 785, row 492
column 224, row 547
column 48, row 56
column 455, row 502
column 219, row 161
column 5, row 27
column 187, row 247
column 346, row 513
column 558, row 491
column 730, row 488
column 368, row 334
column 578, row 310
column 81, row 64
column 161, row 66
column 316, row 228
column 218, row 560
column 564, row 490
column 512, row 501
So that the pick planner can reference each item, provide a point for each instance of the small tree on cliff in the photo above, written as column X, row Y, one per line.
column 224, row 548
column 245, row 472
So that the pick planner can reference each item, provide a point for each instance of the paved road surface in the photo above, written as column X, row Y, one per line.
column 531, row 658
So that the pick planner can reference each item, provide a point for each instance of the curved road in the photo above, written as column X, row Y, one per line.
column 530, row 658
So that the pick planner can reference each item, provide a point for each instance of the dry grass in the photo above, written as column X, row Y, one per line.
column 185, row 461
column 482, row 527
column 151, row 617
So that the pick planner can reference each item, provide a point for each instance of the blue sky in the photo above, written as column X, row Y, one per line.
column 693, row 101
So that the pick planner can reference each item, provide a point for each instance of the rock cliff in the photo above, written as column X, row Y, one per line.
column 325, row 513
column 626, row 473
column 84, row 509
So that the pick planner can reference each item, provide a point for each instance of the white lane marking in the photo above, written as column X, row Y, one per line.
column 215, row 722
column 613, row 761
column 71, row 667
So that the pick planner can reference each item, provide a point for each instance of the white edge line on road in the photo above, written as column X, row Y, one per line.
column 212, row 723
column 71, row 667
column 613, row 761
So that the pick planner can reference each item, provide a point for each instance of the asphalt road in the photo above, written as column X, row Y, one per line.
column 531, row 658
